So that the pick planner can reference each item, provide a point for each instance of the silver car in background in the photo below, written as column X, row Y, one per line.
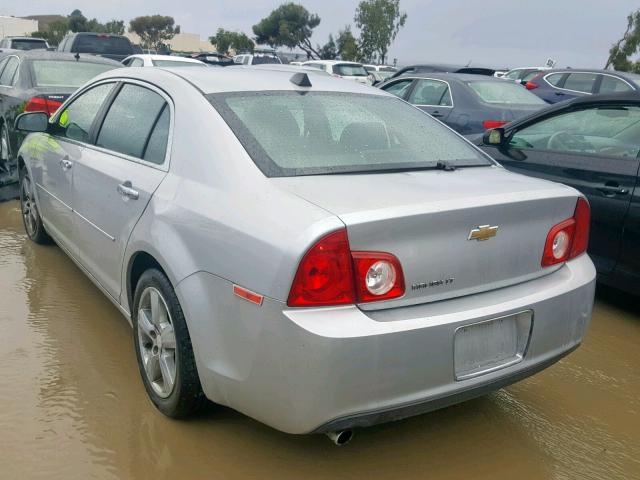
column 314, row 253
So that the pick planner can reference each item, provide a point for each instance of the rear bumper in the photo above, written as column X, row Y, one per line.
column 306, row 370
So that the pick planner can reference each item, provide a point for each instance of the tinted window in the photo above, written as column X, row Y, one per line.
column 130, row 120
column 555, row 78
column 610, row 131
column 580, row 82
column 102, row 44
column 529, row 76
column 613, row 85
column 8, row 75
column 499, row 92
column 28, row 44
column 398, row 88
column 289, row 134
column 57, row 73
column 264, row 59
column 75, row 121
column 348, row 70
column 431, row 92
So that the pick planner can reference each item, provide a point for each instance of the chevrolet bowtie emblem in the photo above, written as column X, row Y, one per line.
column 483, row 232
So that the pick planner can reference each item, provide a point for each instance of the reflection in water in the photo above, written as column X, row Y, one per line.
column 72, row 404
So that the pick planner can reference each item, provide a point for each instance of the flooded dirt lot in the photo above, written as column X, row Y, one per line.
column 72, row 404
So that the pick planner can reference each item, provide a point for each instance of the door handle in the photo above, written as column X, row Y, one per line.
column 66, row 164
column 125, row 189
column 560, row 94
column 437, row 114
column 611, row 189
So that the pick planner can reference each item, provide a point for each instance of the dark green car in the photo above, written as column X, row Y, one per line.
column 37, row 80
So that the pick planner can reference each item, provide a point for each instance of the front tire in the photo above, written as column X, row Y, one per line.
column 163, row 347
column 30, row 215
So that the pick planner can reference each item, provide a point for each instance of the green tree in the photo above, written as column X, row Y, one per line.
column 55, row 32
column 329, row 51
column 225, row 40
column 289, row 25
column 115, row 27
column 77, row 21
column 347, row 45
column 154, row 30
column 379, row 22
column 627, row 46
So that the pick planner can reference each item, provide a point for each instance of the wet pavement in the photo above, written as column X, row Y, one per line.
column 72, row 404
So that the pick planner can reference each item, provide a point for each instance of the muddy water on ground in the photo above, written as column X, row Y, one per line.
column 72, row 404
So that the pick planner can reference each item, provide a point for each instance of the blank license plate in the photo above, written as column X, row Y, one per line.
column 490, row 345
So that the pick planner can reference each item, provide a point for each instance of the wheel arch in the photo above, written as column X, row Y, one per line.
column 139, row 262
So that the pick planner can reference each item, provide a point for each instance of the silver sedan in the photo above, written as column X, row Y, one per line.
column 314, row 253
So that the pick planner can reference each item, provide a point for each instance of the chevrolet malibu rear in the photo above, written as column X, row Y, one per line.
column 340, row 258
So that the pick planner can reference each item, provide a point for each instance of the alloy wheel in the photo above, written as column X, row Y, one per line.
column 29, row 208
column 157, row 342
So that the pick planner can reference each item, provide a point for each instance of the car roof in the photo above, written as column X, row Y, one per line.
column 165, row 57
column 18, row 37
column 47, row 55
column 452, row 77
column 239, row 79
column 333, row 62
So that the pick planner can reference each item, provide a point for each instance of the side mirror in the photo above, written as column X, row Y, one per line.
column 32, row 122
column 494, row 137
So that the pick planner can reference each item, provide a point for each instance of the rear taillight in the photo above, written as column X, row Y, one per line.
column 378, row 276
column 531, row 84
column 331, row 274
column 489, row 124
column 569, row 238
column 41, row 104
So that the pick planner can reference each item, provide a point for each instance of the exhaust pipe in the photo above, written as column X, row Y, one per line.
column 340, row 437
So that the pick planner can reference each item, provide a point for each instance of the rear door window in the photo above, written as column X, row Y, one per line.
column 613, row 85
column 580, row 82
column 129, row 126
column 400, row 88
column 431, row 93
column 9, row 73
column 76, row 120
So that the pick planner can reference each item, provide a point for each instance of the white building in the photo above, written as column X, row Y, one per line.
column 16, row 27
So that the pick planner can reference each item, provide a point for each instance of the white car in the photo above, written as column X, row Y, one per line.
column 347, row 70
column 257, row 58
column 144, row 60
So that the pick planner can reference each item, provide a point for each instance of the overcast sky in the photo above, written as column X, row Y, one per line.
column 499, row 33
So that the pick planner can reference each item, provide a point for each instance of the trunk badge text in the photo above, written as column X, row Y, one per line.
column 483, row 232
column 433, row 283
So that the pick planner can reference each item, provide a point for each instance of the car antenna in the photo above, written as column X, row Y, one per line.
column 77, row 56
column 300, row 79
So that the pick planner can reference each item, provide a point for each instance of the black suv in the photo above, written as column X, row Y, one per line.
column 115, row 47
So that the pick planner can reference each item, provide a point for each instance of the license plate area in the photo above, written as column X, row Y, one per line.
column 490, row 345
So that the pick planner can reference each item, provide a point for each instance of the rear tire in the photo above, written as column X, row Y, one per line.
column 5, row 150
column 30, row 215
column 163, row 347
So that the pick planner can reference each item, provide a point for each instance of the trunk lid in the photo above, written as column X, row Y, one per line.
column 426, row 219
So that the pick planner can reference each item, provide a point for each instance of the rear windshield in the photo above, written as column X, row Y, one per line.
column 175, row 63
column 26, row 44
column 347, row 70
column 289, row 134
column 264, row 59
column 105, row 44
column 505, row 93
column 60, row 73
